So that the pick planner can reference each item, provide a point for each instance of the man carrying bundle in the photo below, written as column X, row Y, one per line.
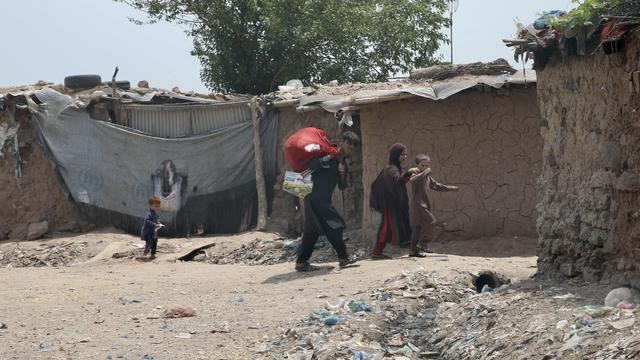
column 328, row 170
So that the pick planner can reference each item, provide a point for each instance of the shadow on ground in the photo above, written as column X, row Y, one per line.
column 490, row 247
column 295, row 275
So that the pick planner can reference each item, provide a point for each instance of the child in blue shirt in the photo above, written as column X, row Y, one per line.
column 151, row 226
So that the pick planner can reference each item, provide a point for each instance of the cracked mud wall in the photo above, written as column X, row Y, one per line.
column 487, row 143
column 38, row 196
column 590, row 208
column 284, row 216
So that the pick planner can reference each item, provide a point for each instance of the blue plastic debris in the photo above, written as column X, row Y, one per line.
column 239, row 300
column 361, row 355
column 487, row 289
column 321, row 313
column 331, row 320
column 359, row 305
column 543, row 21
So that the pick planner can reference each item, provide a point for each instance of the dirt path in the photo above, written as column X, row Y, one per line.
column 112, row 308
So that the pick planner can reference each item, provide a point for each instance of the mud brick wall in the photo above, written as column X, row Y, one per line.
column 486, row 142
column 38, row 196
column 589, row 221
column 286, row 214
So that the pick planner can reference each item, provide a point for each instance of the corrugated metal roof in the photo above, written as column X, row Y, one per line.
column 179, row 120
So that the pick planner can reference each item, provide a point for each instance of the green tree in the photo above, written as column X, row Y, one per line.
column 251, row 46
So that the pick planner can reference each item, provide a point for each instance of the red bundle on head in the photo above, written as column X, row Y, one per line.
column 305, row 145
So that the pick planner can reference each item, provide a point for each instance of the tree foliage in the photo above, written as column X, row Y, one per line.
column 251, row 46
column 590, row 12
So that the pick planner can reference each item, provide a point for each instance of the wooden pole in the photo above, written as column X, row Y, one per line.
column 116, row 100
column 257, row 145
column 114, row 92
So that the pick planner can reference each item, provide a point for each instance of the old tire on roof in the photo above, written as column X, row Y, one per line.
column 120, row 84
column 82, row 81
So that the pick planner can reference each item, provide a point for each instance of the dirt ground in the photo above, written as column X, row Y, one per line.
column 105, row 308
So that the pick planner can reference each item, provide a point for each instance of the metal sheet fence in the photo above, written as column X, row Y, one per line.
column 180, row 120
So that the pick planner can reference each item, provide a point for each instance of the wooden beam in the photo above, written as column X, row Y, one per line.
column 260, row 185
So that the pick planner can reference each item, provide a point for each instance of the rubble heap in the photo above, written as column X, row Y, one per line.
column 258, row 252
column 269, row 252
column 44, row 255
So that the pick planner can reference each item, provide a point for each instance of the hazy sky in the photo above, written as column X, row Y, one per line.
column 47, row 40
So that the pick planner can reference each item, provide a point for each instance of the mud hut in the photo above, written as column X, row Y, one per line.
column 482, row 132
column 588, row 92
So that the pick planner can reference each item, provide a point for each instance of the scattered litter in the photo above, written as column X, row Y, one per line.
column 321, row 313
column 408, row 350
column 3, row 326
column 562, row 324
column 124, row 254
column 626, row 306
column 124, row 301
column 238, row 300
column 333, row 307
column 396, row 340
column 358, row 337
column 331, row 320
column 623, row 324
column 564, row 297
column 359, row 306
column 486, row 289
column 361, row 355
column 409, row 295
column 184, row 335
column 179, row 312
column 617, row 296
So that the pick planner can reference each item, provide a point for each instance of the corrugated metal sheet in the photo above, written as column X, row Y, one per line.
column 179, row 120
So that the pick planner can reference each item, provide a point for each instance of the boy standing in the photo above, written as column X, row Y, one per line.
column 421, row 217
column 151, row 226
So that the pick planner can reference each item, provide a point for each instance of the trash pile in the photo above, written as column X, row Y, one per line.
column 269, row 252
column 573, row 33
column 358, row 328
column 43, row 255
column 531, row 323
column 417, row 315
column 258, row 252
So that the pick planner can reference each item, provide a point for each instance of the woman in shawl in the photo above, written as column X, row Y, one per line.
column 395, row 227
